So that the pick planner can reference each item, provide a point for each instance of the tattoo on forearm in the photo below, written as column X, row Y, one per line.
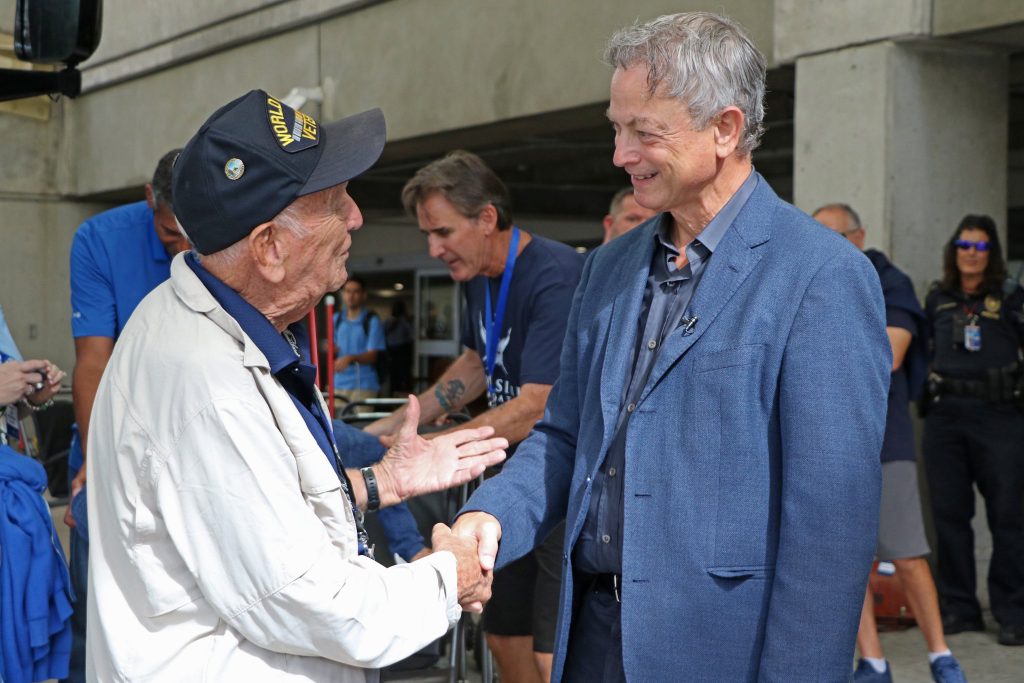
column 449, row 395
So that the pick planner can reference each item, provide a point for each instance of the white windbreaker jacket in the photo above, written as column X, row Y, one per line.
column 222, row 545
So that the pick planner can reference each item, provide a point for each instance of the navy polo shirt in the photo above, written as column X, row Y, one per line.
column 288, row 355
column 665, row 310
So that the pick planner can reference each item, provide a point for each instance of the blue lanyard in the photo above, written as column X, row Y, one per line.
column 494, row 321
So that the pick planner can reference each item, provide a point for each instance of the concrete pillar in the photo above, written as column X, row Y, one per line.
column 913, row 135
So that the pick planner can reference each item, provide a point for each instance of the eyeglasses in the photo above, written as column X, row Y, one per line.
column 980, row 245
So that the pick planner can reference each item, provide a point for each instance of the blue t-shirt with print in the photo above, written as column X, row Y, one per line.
column 530, row 341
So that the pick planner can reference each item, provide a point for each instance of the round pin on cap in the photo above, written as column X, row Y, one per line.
column 234, row 168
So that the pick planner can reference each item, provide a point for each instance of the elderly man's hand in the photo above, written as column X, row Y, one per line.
column 474, row 583
column 414, row 466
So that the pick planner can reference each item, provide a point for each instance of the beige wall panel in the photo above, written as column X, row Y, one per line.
column 116, row 135
column 130, row 25
column 948, row 113
column 957, row 16
column 911, row 136
column 446, row 64
column 34, row 274
column 808, row 26
column 6, row 16
column 839, row 137
column 29, row 151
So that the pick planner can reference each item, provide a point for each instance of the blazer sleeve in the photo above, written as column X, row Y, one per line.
column 530, row 495
column 832, row 401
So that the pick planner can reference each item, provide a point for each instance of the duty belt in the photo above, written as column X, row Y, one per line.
column 995, row 385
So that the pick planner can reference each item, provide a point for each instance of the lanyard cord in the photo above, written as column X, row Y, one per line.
column 494, row 321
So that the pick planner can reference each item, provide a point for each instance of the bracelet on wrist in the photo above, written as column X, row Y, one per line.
column 37, row 408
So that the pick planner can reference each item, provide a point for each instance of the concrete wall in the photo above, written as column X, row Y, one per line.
column 913, row 135
column 452, row 63
column 116, row 135
column 804, row 27
column 36, row 237
column 958, row 16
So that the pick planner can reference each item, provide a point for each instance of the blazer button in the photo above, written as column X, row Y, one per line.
column 606, row 539
column 611, row 471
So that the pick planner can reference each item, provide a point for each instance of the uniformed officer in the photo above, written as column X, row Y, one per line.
column 974, row 431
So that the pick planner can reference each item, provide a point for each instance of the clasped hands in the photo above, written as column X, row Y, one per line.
column 473, row 539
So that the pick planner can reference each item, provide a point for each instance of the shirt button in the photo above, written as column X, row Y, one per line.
column 611, row 471
column 606, row 539
column 652, row 344
column 631, row 407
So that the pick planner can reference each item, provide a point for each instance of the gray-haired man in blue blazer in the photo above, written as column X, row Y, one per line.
column 713, row 438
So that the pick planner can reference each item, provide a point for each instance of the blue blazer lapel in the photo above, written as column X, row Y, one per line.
column 630, row 278
column 730, row 265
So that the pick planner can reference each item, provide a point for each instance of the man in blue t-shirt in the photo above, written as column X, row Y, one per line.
column 358, row 340
column 117, row 258
column 901, row 537
column 518, row 289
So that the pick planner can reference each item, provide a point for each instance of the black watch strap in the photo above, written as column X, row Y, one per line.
column 372, row 493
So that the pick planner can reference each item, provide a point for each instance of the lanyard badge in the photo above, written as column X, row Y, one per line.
column 972, row 336
column 494, row 320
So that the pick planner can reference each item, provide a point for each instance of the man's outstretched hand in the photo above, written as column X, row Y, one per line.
column 474, row 582
column 413, row 465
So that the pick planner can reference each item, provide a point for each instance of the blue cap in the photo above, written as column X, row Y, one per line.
column 256, row 155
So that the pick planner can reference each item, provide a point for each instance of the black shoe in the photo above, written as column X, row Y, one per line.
column 951, row 623
column 1011, row 634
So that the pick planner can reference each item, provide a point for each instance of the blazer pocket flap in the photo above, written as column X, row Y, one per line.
column 748, row 354
column 751, row 572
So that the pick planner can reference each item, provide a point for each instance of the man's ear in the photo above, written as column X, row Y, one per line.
column 728, row 129
column 607, row 223
column 150, row 197
column 269, row 251
column 488, row 219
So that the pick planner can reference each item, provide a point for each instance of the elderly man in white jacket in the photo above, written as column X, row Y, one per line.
column 227, row 542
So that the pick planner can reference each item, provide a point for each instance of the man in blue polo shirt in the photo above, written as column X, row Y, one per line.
column 359, row 338
column 117, row 258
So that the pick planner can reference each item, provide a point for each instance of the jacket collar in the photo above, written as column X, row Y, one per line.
column 191, row 291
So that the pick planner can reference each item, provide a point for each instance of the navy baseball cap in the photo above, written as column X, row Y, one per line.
column 256, row 155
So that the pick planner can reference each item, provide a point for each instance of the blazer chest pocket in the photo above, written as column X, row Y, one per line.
column 748, row 354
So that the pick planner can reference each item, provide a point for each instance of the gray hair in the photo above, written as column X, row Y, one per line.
column 704, row 60
column 297, row 218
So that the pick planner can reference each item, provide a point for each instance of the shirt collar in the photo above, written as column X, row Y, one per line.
column 713, row 232
column 268, row 340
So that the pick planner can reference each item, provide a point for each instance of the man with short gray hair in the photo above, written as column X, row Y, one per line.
column 712, row 440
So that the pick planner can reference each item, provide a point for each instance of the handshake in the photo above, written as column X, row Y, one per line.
column 473, row 540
